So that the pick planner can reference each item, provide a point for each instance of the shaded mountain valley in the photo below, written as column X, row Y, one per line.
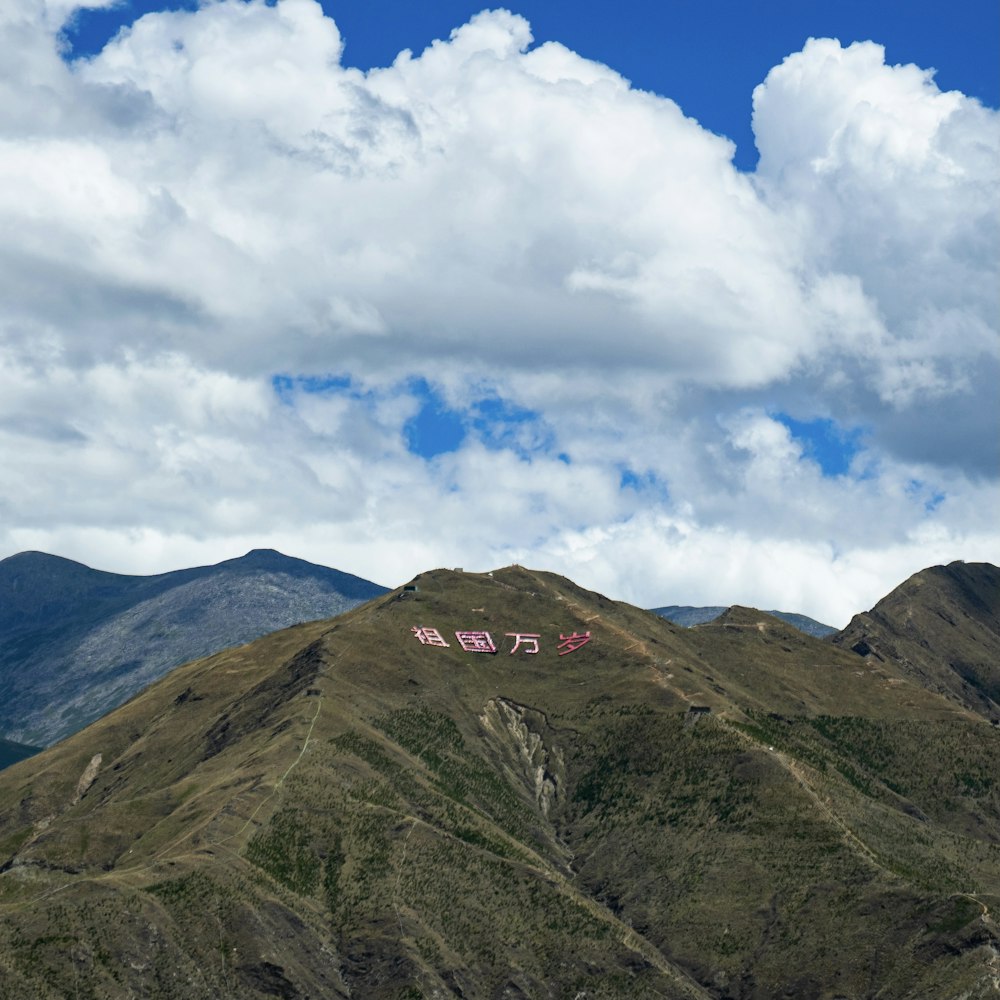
column 366, row 807
column 11, row 752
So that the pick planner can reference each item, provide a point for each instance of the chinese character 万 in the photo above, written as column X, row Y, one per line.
column 529, row 639
column 428, row 636
column 476, row 642
column 571, row 642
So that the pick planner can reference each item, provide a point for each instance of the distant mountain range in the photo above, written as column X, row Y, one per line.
column 11, row 753
column 683, row 614
column 76, row 642
column 506, row 786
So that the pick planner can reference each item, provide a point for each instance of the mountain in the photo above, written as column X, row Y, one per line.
column 76, row 642
column 606, row 806
column 688, row 616
column 942, row 628
column 11, row 752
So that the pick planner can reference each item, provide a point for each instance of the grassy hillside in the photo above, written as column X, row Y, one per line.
column 732, row 811
column 942, row 627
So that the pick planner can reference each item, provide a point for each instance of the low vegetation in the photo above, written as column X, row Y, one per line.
column 373, row 826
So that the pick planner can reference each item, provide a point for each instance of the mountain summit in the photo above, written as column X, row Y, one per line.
column 942, row 628
column 76, row 642
column 504, row 786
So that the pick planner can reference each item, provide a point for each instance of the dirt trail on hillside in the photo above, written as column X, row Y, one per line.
column 632, row 643
column 796, row 770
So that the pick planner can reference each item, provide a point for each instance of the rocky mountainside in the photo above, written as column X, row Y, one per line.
column 503, row 786
column 941, row 628
column 76, row 642
column 688, row 616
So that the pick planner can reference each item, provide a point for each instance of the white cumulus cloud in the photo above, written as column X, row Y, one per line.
column 215, row 201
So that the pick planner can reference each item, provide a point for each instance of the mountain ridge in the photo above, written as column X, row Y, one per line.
column 689, row 615
column 75, row 641
column 370, row 806
column 917, row 626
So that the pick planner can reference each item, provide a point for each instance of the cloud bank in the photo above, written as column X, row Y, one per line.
column 235, row 269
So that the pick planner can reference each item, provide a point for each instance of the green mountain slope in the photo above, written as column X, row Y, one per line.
column 76, row 642
column 733, row 811
column 942, row 628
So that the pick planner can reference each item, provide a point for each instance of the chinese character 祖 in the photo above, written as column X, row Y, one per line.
column 571, row 642
column 428, row 636
column 527, row 638
column 476, row 642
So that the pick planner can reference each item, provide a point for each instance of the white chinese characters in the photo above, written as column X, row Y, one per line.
column 529, row 639
column 428, row 636
column 473, row 641
column 476, row 642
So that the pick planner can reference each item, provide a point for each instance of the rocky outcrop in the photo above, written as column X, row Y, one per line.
column 523, row 740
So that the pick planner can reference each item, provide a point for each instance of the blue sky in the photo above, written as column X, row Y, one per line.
column 669, row 298
column 708, row 56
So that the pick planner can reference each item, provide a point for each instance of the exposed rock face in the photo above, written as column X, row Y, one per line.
column 942, row 627
column 524, row 739
column 88, row 777
column 75, row 642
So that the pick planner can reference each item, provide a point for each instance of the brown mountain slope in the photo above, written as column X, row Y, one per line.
column 941, row 628
column 342, row 810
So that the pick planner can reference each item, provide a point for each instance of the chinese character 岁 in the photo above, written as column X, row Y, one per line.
column 571, row 642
